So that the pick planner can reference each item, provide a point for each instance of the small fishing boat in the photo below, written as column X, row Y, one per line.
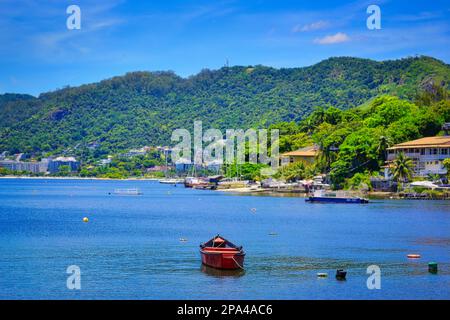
column 222, row 254
column 320, row 196
column 205, row 186
column 191, row 182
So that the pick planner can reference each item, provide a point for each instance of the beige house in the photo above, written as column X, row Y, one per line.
column 427, row 154
column 306, row 155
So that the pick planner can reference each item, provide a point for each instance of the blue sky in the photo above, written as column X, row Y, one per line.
column 38, row 53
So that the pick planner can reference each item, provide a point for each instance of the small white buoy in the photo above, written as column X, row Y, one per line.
column 253, row 210
column 85, row 219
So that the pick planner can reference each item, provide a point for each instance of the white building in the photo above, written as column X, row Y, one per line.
column 34, row 167
column 427, row 154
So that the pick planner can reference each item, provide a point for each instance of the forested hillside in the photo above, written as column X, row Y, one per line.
column 143, row 108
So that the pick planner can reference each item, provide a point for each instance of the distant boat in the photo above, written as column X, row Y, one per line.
column 190, row 182
column 222, row 254
column 205, row 186
column 171, row 181
column 320, row 196
column 128, row 192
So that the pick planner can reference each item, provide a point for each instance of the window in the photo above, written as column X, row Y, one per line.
column 422, row 152
column 444, row 151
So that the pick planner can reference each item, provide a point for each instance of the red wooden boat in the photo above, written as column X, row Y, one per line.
column 222, row 254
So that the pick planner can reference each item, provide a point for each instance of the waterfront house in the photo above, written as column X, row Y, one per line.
column 306, row 155
column 427, row 154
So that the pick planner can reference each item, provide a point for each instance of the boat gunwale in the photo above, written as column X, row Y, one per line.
column 234, row 253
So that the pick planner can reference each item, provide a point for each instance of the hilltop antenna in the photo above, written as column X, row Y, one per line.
column 227, row 64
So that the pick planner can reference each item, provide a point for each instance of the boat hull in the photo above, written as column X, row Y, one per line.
column 336, row 200
column 223, row 260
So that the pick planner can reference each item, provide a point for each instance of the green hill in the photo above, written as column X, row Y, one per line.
column 143, row 108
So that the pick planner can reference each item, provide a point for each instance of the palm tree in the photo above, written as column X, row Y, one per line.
column 402, row 168
column 435, row 178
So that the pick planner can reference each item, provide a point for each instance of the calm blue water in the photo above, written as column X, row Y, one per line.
column 130, row 248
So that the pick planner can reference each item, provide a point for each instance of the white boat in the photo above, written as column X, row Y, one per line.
column 128, row 192
column 334, row 197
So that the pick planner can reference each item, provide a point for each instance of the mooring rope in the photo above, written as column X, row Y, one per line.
column 237, row 263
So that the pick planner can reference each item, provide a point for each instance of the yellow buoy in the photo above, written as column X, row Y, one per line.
column 85, row 219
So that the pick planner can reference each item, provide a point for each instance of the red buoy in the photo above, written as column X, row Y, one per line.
column 413, row 256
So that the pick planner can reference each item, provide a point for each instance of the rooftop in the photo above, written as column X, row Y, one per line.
column 310, row 151
column 428, row 142
column 66, row 159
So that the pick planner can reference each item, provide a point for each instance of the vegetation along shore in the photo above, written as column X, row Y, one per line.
column 359, row 125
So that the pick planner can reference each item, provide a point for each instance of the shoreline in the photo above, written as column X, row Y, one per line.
column 375, row 195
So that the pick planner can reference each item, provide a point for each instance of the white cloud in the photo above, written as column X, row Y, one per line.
column 310, row 27
column 336, row 38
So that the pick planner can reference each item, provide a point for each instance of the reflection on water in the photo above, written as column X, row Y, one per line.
column 221, row 272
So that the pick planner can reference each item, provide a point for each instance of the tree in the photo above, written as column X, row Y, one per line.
column 5, row 171
column 64, row 171
column 383, row 144
column 434, row 177
column 446, row 164
column 402, row 168
column 357, row 153
column 246, row 171
column 360, row 181
column 292, row 172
